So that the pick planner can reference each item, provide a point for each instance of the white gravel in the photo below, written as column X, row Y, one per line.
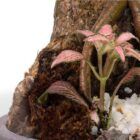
column 127, row 90
column 126, row 114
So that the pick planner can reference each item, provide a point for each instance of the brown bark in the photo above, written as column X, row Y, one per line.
column 135, row 8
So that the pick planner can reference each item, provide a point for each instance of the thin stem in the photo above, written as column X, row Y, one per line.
column 102, row 91
column 108, row 70
column 93, row 70
column 113, row 96
column 112, row 100
column 107, row 63
column 111, row 68
column 100, row 64
column 108, row 121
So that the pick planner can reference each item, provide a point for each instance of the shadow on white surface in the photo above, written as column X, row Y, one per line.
column 5, row 103
column 5, row 134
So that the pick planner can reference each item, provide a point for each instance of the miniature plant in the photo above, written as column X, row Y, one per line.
column 105, row 42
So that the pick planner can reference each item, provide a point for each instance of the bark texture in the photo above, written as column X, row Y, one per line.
column 19, row 113
column 135, row 8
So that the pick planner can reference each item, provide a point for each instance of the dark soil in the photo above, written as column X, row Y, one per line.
column 64, row 120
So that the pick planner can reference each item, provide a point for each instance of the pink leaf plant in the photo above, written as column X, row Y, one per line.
column 109, row 41
column 106, row 42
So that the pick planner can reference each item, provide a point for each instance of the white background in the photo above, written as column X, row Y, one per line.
column 25, row 28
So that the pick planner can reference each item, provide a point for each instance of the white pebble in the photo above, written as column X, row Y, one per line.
column 128, row 90
column 94, row 130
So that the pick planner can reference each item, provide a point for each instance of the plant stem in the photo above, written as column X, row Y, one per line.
column 107, row 63
column 113, row 96
column 102, row 92
column 102, row 80
column 108, row 121
column 100, row 64
column 111, row 68
column 93, row 70
column 111, row 102
column 102, row 84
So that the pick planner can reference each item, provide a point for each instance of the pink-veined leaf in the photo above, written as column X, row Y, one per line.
column 133, row 53
column 125, row 37
column 120, row 52
column 94, row 117
column 96, row 38
column 130, row 75
column 85, row 32
column 106, row 30
column 67, row 56
column 67, row 90
column 127, row 45
column 112, row 36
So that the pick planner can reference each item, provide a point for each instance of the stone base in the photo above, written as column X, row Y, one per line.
column 5, row 134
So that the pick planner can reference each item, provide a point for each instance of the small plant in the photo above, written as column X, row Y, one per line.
column 106, row 42
column 116, row 48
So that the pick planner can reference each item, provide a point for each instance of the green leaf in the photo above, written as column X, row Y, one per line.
column 43, row 98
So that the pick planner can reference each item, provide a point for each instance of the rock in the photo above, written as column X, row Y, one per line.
column 113, row 135
column 128, row 90
column 94, row 130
